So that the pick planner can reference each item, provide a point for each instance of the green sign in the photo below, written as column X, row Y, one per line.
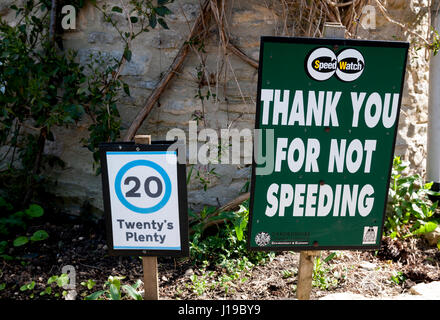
column 326, row 120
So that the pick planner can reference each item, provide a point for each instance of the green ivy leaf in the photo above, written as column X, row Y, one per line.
column 426, row 227
column 28, row 286
column 35, row 20
column 330, row 257
column 39, row 235
column 137, row 284
column 432, row 193
column 20, row 241
column 162, row 23
column 95, row 295
column 115, row 280
column 238, row 232
column 132, row 292
column 34, row 211
column 63, row 280
column 152, row 20
column 114, row 292
column 52, row 279
column 90, row 284
column 48, row 290
column 117, row 9
column 162, row 11
column 126, row 89
column 127, row 54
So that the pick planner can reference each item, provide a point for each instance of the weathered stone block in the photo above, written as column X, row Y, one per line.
column 138, row 65
column 101, row 38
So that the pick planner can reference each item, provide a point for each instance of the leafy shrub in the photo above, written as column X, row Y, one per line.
column 324, row 276
column 42, row 86
column 228, row 246
column 54, row 287
column 12, row 222
column 113, row 290
column 410, row 212
column 39, row 92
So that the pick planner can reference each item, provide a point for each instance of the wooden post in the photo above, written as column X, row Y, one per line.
column 149, row 264
column 151, row 284
column 142, row 139
column 305, row 273
column 306, row 258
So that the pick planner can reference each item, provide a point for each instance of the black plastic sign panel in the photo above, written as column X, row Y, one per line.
column 327, row 114
column 145, row 199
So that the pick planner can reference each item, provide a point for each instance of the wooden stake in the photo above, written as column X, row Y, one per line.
column 149, row 264
column 305, row 274
column 151, row 284
column 306, row 258
column 142, row 139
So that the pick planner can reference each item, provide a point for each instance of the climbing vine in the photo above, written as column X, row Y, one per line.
column 43, row 87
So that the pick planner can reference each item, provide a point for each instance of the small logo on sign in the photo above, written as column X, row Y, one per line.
column 322, row 63
column 370, row 235
column 351, row 64
column 262, row 239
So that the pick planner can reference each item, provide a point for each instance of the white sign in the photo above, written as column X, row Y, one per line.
column 144, row 200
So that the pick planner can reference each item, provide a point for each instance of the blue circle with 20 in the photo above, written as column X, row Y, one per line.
column 156, row 167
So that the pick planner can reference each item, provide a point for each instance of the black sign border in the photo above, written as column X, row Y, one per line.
column 182, row 198
column 322, row 42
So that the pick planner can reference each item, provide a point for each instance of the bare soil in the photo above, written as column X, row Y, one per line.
column 82, row 244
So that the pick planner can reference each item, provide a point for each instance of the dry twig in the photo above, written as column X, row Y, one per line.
column 404, row 27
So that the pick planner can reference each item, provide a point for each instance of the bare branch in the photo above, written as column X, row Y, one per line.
column 173, row 69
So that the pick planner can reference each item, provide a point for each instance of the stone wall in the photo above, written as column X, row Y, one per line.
column 412, row 132
column 234, row 105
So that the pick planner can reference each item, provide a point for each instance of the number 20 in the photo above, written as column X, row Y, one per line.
column 137, row 184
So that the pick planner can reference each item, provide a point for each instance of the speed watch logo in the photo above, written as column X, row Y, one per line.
column 322, row 63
